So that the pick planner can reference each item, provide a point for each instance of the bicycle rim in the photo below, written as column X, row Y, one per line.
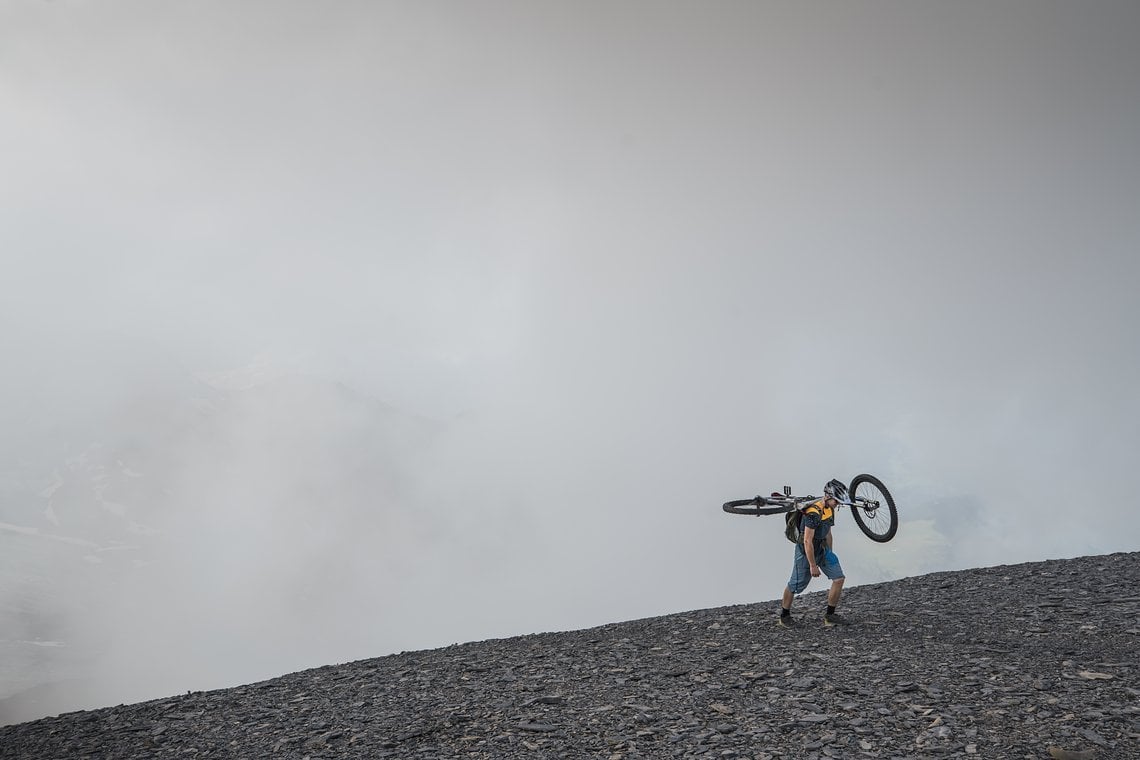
column 874, row 509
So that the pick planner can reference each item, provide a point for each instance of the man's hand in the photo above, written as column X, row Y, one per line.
column 814, row 571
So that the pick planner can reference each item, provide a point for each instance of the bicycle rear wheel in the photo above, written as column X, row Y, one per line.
column 874, row 508
column 755, row 506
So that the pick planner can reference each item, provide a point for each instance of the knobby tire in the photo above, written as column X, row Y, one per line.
column 754, row 506
column 883, row 525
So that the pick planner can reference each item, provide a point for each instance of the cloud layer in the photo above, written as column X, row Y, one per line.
column 602, row 267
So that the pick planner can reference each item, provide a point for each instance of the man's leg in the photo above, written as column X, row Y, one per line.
column 797, row 583
column 785, row 618
column 834, row 571
column 834, row 593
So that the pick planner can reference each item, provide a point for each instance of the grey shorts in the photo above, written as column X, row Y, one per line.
column 801, row 571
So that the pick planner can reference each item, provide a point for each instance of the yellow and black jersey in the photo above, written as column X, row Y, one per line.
column 819, row 517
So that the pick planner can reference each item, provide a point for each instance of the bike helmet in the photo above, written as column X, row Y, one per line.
column 835, row 489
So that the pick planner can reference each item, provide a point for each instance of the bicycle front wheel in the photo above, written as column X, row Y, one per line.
column 873, row 508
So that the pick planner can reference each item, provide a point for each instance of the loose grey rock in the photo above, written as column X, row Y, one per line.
column 1063, row 754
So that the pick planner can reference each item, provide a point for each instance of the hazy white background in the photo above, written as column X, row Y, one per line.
column 331, row 329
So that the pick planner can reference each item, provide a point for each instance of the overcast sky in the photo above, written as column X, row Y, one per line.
column 634, row 258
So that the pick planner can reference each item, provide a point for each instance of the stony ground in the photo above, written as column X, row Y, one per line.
column 1022, row 661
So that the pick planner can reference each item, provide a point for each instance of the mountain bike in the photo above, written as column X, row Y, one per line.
column 871, row 505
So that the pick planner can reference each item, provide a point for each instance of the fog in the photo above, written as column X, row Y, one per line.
column 335, row 329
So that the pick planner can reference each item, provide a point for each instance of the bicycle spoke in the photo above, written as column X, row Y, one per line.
column 873, row 508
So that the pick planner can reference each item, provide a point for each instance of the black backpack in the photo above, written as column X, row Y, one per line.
column 792, row 526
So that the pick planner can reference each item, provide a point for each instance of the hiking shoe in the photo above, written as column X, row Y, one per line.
column 787, row 621
column 834, row 618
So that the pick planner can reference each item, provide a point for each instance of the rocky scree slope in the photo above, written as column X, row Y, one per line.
column 1034, row 660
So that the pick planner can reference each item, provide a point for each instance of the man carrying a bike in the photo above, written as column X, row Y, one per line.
column 814, row 554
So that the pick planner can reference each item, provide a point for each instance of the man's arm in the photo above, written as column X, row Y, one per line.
column 809, row 535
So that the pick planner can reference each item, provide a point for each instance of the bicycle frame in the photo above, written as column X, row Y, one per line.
column 878, row 527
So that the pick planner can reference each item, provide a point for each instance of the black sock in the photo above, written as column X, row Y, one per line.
column 831, row 609
column 785, row 612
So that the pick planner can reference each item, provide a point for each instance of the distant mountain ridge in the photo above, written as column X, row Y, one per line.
column 1036, row 660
